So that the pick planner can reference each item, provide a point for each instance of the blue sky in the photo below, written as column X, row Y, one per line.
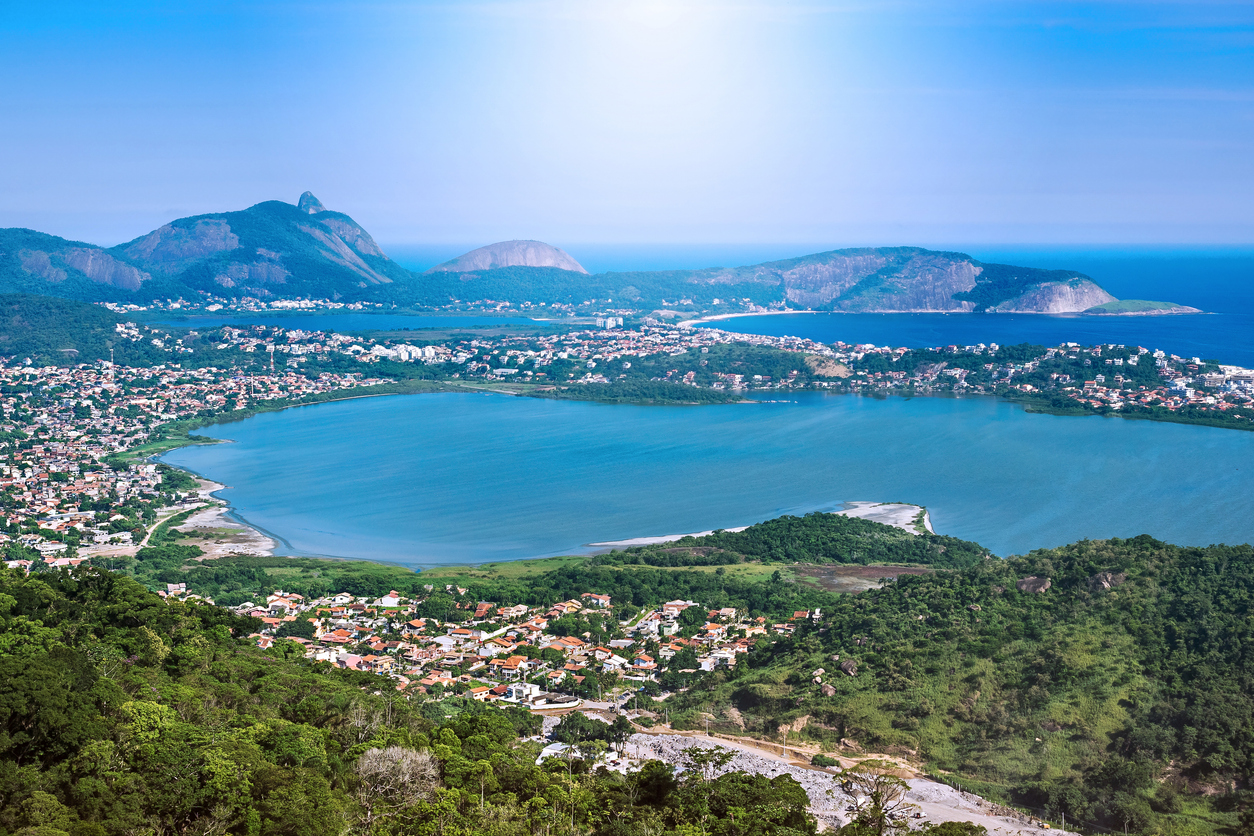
column 617, row 121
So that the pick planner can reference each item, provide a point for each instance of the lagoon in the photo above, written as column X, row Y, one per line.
column 466, row 478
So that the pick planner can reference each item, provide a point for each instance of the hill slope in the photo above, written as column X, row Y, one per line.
column 511, row 254
column 1107, row 680
column 277, row 250
column 273, row 249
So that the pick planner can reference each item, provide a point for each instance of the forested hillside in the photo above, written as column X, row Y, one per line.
column 1112, row 681
column 121, row 713
column 62, row 332
column 815, row 538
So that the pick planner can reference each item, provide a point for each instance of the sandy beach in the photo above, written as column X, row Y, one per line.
column 217, row 534
column 688, row 323
column 897, row 514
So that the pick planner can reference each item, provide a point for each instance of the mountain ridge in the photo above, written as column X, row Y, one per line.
column 277, row 250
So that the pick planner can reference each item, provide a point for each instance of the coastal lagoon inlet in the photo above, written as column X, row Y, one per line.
column 470, row 478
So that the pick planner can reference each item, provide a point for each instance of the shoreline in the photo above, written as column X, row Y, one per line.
column 903, row 515
column 221, row 534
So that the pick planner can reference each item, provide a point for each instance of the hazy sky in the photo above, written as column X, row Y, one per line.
column 615, row 121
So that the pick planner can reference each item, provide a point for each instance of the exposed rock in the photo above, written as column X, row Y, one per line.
column 334, row 249
column 1074, row 296
column 1033, row 584
column 846, row 743
column 974, row 608
column 39, row 263
column 103, row 268
column 173, row 247
column 266, row 272
column 827, row 691
column 511, row 254
column 1106, row 580
column 922, row 281
column 310, row 204
column 850, row 667
column 353, row 235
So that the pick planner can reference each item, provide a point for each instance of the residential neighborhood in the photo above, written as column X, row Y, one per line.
column 514, row 654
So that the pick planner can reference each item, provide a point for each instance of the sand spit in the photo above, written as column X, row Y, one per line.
column 217, row 533
column 897, row 514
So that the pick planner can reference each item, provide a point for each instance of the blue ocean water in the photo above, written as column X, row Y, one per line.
column 457, row 478
column 1219, row 281
column 348, row 322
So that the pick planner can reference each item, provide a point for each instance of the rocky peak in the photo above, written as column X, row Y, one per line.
column 310, row 204
column 511, row 254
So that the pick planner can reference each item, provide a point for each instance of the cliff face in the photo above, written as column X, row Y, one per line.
column 914, row 280
column 919, row 282
column 1059, row 297
column 511, row 254
column 272, row 243
column 271, row 249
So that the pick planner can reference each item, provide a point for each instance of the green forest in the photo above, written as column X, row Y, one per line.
column 1122, row 694
column 1110, row 681
column 121, row 713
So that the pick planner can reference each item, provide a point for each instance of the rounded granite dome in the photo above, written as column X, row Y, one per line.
column 511, row 254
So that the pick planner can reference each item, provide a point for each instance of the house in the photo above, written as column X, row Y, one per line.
column 596, row 600
column 392, row 599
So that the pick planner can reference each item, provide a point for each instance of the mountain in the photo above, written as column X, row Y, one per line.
column 273, row 249
column 276, row 250
column 511, row 254
column 911, row 279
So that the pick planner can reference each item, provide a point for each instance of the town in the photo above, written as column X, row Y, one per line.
column 537, row 657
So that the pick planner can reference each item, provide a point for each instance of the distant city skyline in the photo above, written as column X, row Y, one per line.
column 619, row 122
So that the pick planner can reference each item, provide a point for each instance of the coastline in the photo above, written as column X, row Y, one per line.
column 901, row 515
column 218, row 533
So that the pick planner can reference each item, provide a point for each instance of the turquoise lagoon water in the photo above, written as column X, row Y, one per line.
column 466, row 478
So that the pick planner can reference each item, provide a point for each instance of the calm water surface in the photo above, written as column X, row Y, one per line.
column 455, row 478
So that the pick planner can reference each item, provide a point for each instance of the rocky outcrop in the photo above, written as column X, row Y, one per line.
column 259, row 272
column 1074, row 296
column 309, row 204
column 174, row 247
column 924, row 282
column 511, row 254
column 102, row 268
column 850, row 667
column 1033, row 584
column 40, row 264
column 335, row 249
column 1106, row 580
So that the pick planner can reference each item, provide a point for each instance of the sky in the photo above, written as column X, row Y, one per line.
column 632, row 121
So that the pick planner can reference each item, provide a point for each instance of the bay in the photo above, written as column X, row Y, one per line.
column 468, row 478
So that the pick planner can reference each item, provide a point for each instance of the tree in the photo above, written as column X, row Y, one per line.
column 300, row 628
column 878, row 797
column 391, row 780
column 706, row 761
